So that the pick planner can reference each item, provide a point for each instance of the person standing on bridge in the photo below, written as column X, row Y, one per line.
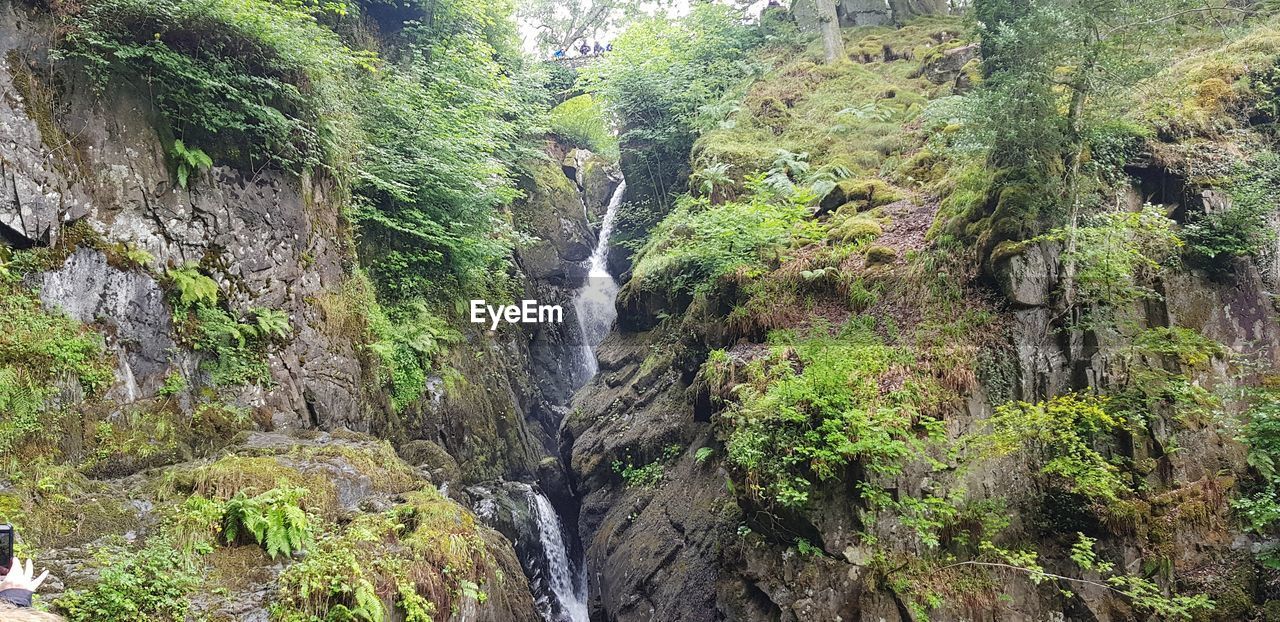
column 559, row 54
column 598, row 49
column 585, row 49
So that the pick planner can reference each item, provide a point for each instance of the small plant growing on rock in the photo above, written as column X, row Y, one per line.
column 272, row 323
column 149, row 585
column 190, row 161
column 273, row 519
column 193, row 288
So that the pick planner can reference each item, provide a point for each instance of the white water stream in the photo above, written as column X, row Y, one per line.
column 569, row 589
column 593, row 302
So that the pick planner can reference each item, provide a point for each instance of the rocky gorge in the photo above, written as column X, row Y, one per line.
column 826, row 355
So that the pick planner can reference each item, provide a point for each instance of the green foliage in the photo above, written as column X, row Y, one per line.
column 698, row 243
column 804, row 547
column 271, row 324
column 1143, row 593
column 703, row 454
column 149, row 585
column 192, row 287
column 189, row 161
column 1161, row 364
column 251, row 77
column 407, row 340
column 1261, row 435
column 442, row 130
column 815, row 407
column 1114, row 258
column 580, row 122
column 666, row 81
column 273, row 519
column 649, row 474
column 1061, row 433
column 38, row 350
column 239, row 355
column 238, row 348
column 428, row 555
column 1241, row 229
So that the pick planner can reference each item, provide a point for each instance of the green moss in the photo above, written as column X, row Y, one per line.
column 854, row 228
column 1210, row 91
column 427, row 555
column 878, row 255
column 866, row 193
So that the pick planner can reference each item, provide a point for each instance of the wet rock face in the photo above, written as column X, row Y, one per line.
column 1030, row 277
column 68, row 156
column 129, row 306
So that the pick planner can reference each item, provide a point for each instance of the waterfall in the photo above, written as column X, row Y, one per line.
column 594, row 300
column 561, row 580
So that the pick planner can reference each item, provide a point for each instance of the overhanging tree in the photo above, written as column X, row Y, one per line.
column 562, row 23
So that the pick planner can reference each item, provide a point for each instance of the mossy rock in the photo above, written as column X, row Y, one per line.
column 433, row 457
column 430, row 553
column 855, row 228
column 868, row 193
column 338, row 473
column 878, row 254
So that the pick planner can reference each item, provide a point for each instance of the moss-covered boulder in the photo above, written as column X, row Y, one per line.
column 864, row 193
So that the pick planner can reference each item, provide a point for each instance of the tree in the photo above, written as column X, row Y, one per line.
column 829, row 26
column 562, row 23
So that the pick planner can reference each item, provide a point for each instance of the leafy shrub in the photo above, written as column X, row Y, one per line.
column 1116, row 257
column 239, row 355
column 1261, row 435
column 1061, row 432
column 1241, row 229
column 407, row 340
column 649, row 474
column 815, row 406
column 272, row 519
column 580, row 122
column 251, row 77
column 698, row 243
column 190, row 161
column 664, row 81
column 271, row 324
column 192, row 287
column 427, row 555
column 38, row 349
column 442, row 131
column 145, row 586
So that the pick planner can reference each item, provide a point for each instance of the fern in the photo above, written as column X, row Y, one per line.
column 189, row 161
column 192, row 287
column 21, row 401
column 272, row 323
column 272, row 519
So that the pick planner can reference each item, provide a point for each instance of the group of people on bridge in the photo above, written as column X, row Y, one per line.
column 584, row 50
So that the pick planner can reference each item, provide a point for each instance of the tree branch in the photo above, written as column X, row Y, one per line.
column 1171, row 16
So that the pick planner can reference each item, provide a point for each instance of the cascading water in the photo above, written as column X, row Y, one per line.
column 594, row 301
column 568, row 588
column 553, row 573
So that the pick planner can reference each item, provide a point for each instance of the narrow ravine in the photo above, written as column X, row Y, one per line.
column 593, row 302
column 555, row 565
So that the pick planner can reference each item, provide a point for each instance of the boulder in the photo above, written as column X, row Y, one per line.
column 1027, row 273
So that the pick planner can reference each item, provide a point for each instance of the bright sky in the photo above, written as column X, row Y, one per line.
column 529, row 32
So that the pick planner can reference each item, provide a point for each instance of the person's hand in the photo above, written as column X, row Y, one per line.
column 22, row 577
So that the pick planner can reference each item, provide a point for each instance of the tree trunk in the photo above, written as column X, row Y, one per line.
column 829, row 24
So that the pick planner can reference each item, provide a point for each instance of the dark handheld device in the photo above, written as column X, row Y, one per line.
column 6, row 548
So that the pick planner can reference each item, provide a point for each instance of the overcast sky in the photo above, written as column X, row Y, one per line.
column 529, row 32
